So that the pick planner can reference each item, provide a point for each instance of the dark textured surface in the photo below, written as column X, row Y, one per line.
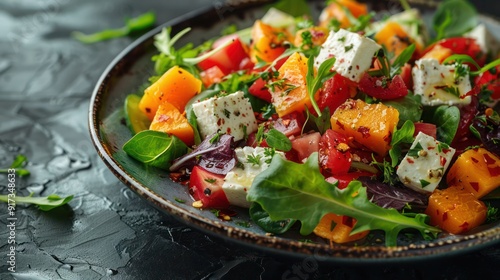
column 108, row 232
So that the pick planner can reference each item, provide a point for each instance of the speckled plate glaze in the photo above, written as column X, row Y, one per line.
column 131, row 69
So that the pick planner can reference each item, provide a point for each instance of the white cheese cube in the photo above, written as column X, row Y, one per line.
column 439, row 84
column 484, row 39
column 251, row 162
column 231, row 114
column 425, row 163
column 353, row 53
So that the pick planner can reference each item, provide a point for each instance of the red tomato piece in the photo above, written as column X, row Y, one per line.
column 334, row 155
column 426, row 128
column 382, row 88
column 406, row 75
column 489, row 81
column 206, row 187
column 462, row 45
column 211, row 76
column 259, row 89
column 335, row 92
column 290, row 125
column 228, row 59
column 305, row 145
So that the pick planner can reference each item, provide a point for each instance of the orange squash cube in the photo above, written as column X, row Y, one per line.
column 289, row 91
column 455, row 210
column 267, row 42
column 370, row 125
column 477, row 171
column 176, row 86
column 335, row 11
column 170, row 120
column 394, row 38
column 338, row 229
column 438, row 52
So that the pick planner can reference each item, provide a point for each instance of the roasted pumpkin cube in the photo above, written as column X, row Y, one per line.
column 394, row 38
column 338, row 228
column 335, row 12
column 268, row 42
column 176, row 86
column 370, row 125
column 476, row 170
column 455, row 210
column 289, row 90
column 170, row 120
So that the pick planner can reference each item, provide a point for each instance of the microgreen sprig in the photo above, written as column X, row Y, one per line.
column 463, row 58
column 314, row 83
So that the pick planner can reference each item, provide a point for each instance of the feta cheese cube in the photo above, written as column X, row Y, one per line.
column 484, row 39
column 353, row 53
column 439, row 84
column 231, row 114
column 425, row 163
column 238, row 181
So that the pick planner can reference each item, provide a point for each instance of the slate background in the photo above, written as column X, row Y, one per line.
column 108, row 232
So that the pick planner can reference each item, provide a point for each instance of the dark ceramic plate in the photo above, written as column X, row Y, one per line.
column 131, row 69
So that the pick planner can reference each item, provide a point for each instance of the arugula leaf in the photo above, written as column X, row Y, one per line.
column 17, row 164
column 322, row 123
column 44, row 203
column 262, row 219
column 454, row 18
column 155, row 148
column 288, row 190
column 315, row 83
column 137, row 24
column 404, row 135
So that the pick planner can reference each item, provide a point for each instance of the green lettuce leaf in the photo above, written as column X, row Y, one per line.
column 288, row 190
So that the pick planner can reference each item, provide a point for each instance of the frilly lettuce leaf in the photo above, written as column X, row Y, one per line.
column 288, row 190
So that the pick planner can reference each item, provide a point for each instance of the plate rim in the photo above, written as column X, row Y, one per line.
column 272, row 244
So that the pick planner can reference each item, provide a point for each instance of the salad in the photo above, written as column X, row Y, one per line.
column 348, row 123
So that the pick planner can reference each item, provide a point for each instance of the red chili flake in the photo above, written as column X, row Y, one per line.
column 220, row 121
column 445, row 216
column 488, row 159
column 474, row 159
column 348, row 221
column 365, row 131
column 340, row 125
column 442, row 161
column 228, row 130
column 475, row 186
column 163, row 118
column 410, row 160
column 388, row 138
column 494, row 171
column 465, row 226
column 431, row 148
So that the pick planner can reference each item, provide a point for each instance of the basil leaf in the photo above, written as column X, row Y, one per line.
column 262, row 219
column 446, row 118
column 297, row 9
column 276, row 139
column 454, row 18
column 155, row 148
column 409, row 107
column 289, row 190
column 135, row 119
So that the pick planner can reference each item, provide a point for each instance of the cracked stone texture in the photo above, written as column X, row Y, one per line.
column 106, row 231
